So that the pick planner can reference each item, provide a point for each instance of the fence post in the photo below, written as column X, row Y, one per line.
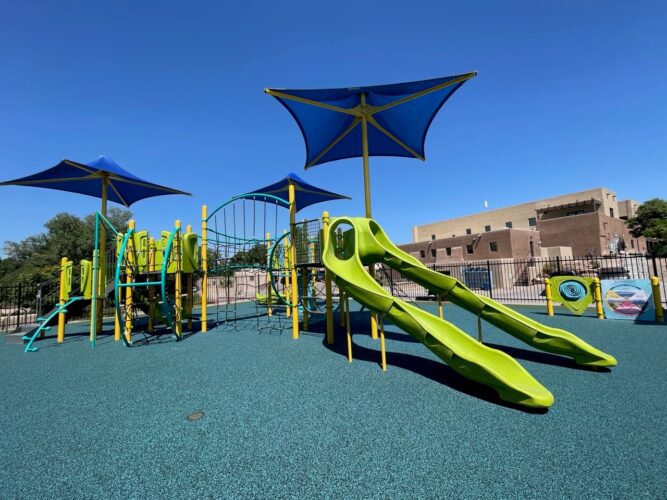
column 657, row 300
column 558, row 263
column 547, row 291
column 18, row 307
column 489, row 276
column 597, row 295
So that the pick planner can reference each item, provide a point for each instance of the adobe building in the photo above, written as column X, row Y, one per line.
column 576, row 224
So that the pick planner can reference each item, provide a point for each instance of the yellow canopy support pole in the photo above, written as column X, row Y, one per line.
column 284, row 265
column 327, row 280
column 151, row 290
column 295, row 284
column 440, row 311
column 204, row 266
column 188, row 286
column 178, row 286
column 657, row 300
column 597, row 294
column 102, row 276
column 367, row 194
column 269, row 310
column 304, row 279
column 550, row 302
column 62, row 298
column 128, row 279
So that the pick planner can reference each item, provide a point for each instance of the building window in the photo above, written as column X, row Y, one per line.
column 432, row 252
column 493, row 246
column 487, row 228
column 469, row 249
column 508, row 225
column 576, row 212
column 449, row 251
column 611, row 212
column 422, row 253
column 532, row 221
column 632, row 244
column 432, row 237
column 468, row 231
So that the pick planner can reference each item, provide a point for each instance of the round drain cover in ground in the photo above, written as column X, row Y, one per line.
column 195, row 416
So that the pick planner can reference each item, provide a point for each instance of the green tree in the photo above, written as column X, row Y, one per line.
column 651, row 223
column 37, row 258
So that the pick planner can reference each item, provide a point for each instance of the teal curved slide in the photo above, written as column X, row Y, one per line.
column 366, row 244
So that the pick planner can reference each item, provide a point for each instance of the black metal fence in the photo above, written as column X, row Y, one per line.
column 522, row 281
column 23, row 303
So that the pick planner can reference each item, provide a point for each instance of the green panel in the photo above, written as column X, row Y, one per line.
column 164, row 238
column 140, row 241
column 190, row 252
column 86, row 279
column 68, row 279
column 574, row 293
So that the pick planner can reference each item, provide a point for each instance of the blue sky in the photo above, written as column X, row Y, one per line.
column 569, row 96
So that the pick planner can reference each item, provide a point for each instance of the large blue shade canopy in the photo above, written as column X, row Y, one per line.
column 92, row 178
column 305, row 194
column 397, row 117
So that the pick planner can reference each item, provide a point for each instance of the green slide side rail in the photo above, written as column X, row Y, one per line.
column 461, row 352
column 43, row 327
column 533, row 333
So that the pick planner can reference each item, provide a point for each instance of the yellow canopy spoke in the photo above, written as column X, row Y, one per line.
column 352, row 111
column 375, row 124
column 373, row 109
column 349, row 129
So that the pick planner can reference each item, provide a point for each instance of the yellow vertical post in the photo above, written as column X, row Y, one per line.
column 204, row 266
column 151, row 290
column 383, row 349
column 550, row 302
column 657, row 299
column 348, row 331
column 269, row 310
column 295, row 284
column 327, row 279
column 341, row 294
column 178, row 283
column 597, row 295
column 304, row 280
column 367, row 193
column 62, row 299
column 440, row 312
column 128, row 279
column 188, row 286
column 102, row 276
column 285, row 270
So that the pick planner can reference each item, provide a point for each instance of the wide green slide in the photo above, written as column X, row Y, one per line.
column 461, row 352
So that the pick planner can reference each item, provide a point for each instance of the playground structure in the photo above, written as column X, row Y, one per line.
column 256, row 264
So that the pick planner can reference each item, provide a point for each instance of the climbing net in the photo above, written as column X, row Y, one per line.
column 241, row 235
column 306, row 260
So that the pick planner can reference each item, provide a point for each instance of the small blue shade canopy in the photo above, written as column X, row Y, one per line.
column 305, row 194
column 398, row 116
column 88, row 178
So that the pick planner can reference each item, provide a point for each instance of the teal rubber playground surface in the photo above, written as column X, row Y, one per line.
column 285, row 418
